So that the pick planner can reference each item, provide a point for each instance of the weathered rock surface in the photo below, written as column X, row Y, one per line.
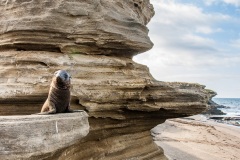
column 100, row 83
column 214, row 109
column 122, row 99
column 94, row 41
column 86, row 26
column 23, row 137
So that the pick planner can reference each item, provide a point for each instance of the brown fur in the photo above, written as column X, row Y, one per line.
column 58, row 100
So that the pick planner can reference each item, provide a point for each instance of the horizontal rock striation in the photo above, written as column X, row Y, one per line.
column 122, row 99
column 94, row 40
column 23, row 137
column 88, row 26
column 100, row 83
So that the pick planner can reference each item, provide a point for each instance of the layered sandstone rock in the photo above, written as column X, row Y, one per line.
column 24, row 137
column 87, row 26
column 94, row 41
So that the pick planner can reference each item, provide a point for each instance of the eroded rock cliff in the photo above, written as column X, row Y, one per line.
column 94, row 40
column 87, row 26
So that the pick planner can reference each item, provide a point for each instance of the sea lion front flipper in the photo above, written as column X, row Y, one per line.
column 68, row 110
column 52, row 108
column 59, row 94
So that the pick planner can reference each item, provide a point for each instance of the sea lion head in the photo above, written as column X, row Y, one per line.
column 62, row 78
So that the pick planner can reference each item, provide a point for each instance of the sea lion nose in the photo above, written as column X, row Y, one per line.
column 63, row 75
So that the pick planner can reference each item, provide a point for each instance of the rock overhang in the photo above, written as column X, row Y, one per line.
column 88, row 27
column 94, row 40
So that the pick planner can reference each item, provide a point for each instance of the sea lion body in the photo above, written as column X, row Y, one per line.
column 58, row 100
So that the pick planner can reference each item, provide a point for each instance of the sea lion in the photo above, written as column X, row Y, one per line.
column 58, row 100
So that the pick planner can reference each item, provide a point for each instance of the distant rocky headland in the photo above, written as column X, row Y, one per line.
column 94, row 40
column 214, row 109
column 214, row 112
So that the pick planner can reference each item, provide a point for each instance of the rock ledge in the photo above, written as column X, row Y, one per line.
column 29, row 136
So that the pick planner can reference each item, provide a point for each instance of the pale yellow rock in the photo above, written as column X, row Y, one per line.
column 99, row 83
column 86, row 26
column 120, row 96
column 94, row 40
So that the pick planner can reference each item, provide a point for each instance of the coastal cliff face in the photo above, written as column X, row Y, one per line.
column 94, row 40
column 87, row 26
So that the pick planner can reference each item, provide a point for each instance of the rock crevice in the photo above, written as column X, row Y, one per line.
column 91, row 26
column 94, row 40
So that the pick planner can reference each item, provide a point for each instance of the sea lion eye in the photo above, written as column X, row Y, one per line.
column 65, row 76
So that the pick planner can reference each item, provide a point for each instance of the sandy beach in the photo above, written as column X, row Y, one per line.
column 196, row 138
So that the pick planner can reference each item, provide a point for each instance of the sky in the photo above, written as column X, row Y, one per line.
column 196, row 41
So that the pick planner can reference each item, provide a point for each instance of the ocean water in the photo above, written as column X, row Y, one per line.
column 232, row 105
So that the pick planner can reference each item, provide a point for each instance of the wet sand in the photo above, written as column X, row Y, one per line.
column 196, row 138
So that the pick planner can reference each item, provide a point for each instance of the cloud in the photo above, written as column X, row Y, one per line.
column 235, row 43
column 184, row 29
column 210, row 2
column 187, row 46
column 181, row 26
column 207, row 30
column 183, row 14
column 235, row 3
